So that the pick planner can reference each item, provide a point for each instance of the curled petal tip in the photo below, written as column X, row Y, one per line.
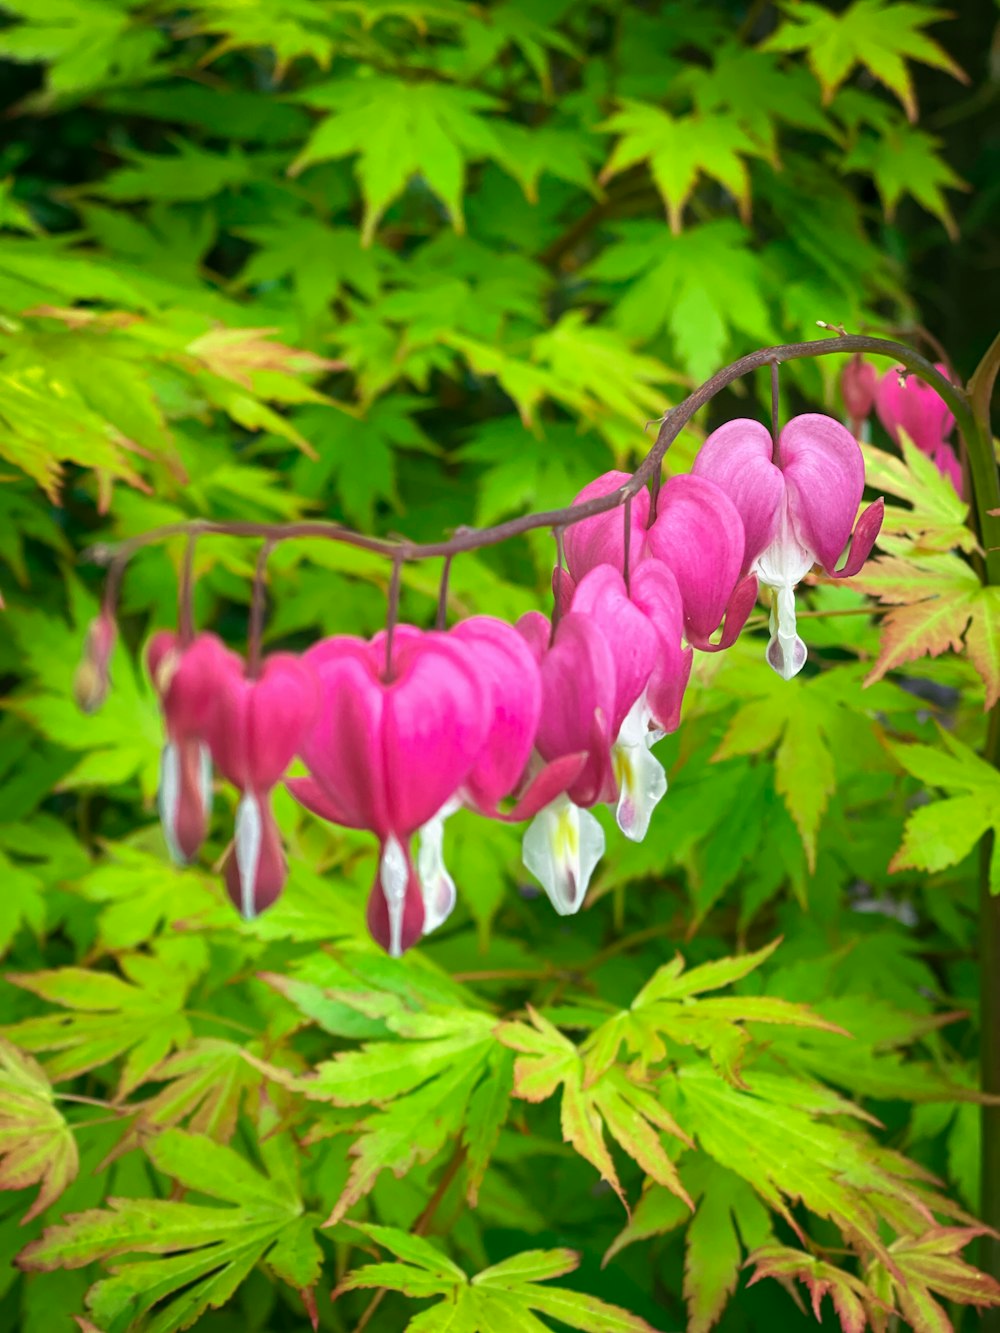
column 738, row 609
column 786, row 655
column 865, row 535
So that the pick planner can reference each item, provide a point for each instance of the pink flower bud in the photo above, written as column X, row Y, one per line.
column 858, row 384
column 92, row 679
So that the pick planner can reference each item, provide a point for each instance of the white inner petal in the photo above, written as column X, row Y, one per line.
column 562, row 846
column 436, row 885
column 246, row 843
column 205, row 779
column 168, row 799
column 642, row 783
column 393, row 876
column 781, row 566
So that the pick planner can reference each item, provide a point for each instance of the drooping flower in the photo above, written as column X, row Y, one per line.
column 564, row 842
column 387, row 754
column 187, row 681
column 698, row 534
column 905, row 403
column 512, row 700
column 858, row 386
column 258, row 726
column 798, row 504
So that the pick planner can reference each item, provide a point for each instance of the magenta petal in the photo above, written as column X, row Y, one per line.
column 343, row 748
column 946, row 462
column 552, row 781
column 190, row 825
column 859, row 384
column 578, row 700
column 513, row 699
column 916, row 408
column 655, row 592
column 260, row 723
column 319, row 802
column 740, row 605
column 563, row 587
column 868, row 527
column 738, row 458
column 433, row 730
column 601, row 596
column 698, row 534
column 191, row 682
column 825, row 478
column 600, row 540
column 536, row 630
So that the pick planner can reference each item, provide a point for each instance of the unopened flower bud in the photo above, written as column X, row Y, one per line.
column 92, row 679
column 858, row 382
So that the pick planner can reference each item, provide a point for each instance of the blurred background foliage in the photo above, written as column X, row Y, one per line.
column 411, row 264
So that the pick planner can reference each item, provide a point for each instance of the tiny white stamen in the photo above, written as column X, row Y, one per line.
column 247, row 843
column 393, row 877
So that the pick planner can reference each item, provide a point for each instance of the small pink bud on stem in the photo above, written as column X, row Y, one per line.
column 92, row 679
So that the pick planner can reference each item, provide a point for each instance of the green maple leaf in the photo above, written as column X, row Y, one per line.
column 320, row 261
column 399, row 130
column 205, row 1085
column 935, row 516
column 506, row 1296
column 37, row 1146
column 139, row 1016
column 938, row 605
column 702, row 286
column 928, row 1265
column 679, row 151
column 292, row 29
column 210, row 1249
column 945, row 832
column 190, row 174
column 907, row 161
column 594, row 1100
column 881, row 35
column 423, row 1085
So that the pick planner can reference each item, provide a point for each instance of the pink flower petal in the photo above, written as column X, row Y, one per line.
column 255, row 869
column 396, row 903
column 865, row 533
column 825, row 478
column 578, row 700
column 737, row 457
column 601, row 595
column 554, row 779
column 261, row 723
column 512, row 688
column 913, row 406
column 698, row 534
column 655, row 592
column 600, row 540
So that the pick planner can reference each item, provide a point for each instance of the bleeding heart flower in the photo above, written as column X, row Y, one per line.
column 187, row 681
column 698, row 534
column 600, row 540
column 258, row 727
column 904, row 403
column 798, row 505
column 389, row 754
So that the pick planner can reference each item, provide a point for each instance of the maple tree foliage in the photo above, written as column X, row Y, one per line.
column 408, row 265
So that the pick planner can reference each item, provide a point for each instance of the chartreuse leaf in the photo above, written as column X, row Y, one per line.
column 139, row 1016
column 944, row 832
column 592, row 1101
column 879, row 34
column 37, row 1146
column 443, row 1076
column 500, row 1299
column 907, row 161
column 680, row 150
column 935, row 519
column 211, row 1249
